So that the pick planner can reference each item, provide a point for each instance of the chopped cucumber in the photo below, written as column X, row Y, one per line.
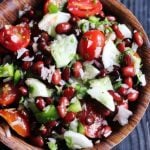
column 49, row 113
column 52, row 8
column 99, row 91
column 52, row 145
column 76, row 140
column 50, row 21
column 81, row 128
column 63, row 50
column 37, row 88
column 7, row 70
column 110, row 55
column 75, row 106
column 17, row 76
column 90, row 72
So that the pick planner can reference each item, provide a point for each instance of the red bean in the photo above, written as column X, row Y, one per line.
column 56, row 77
column 42, row 46
column 47, row 61
column 31, row 13
column 45, row 36
column 51, row 124
column 69, row 92
column 63, row 102
column 117, row 31
column 70, row 116
column 63, row 28
column 129, row 81
column 39, row 57
column 138, row 38
column 89, row 120
column 38, row 66
column 128, row 71
column 121, row 47
column 62, row 111
column 26, row 65
column 115, row 96
column 25, row 54
column 103, row 72
column 77, row 68
column 132, row 96
column 127, row 42
column 127, row 60
column 48, row 100
column 23, row 90
column 123, row 90
column 37, row 141
column 40, row 103
column 66, row 74
column 43, row 131
column 111, row 18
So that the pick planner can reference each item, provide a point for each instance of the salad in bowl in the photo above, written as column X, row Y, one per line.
column 69, row 74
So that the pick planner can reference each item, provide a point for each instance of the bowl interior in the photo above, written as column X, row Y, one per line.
column 8, row 15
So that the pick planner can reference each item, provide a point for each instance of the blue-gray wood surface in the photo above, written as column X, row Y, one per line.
column 139, row 139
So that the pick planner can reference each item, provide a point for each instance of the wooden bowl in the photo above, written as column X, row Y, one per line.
column 9, row 9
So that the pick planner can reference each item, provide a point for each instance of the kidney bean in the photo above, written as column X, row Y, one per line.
column 138, row 38
column 38, row 57
column 66, row 74
column 26, row 65
column 25, row 54
column 42, row 46
column 37, row 66
column 115, row 96
column 37, row 141
column 40, row 103
column 128, row 42
column 43, row 131
column 45, row 36
column 103, row 72
column 121, row 47
column 56, row 77
column 74, row 19
column 127, row 60
column 129, row 82
column 47, row 61
column 89, row 120
column 70, row 116
column 30, row 13
column 51, row 124
column 123, row 90
column 111, row 18
column 61, row 108
column 128, row 71
column 133, row 95
column 23, row 90
column 63, row 28
column 117, row 31
column 48, row 100
column 77, row 68
column 69, row 92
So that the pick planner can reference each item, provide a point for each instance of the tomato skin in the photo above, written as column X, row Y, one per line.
column 15, row 37
column 11, row 116
column 91, row 44
column 47, row 2
column 8, row 94
column 84, row 8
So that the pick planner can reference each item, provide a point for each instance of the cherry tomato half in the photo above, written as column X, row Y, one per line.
column 15, row 37
column 84, row 8
column 8, row 94
column 17, row 121
column 91, row 44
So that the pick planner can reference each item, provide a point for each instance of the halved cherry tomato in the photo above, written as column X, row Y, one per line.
column 91, row 44
column 15, row 37
column 84, row 8
column 17, row 121
column 8, row 94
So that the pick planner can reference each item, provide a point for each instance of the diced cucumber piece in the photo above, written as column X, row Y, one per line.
column 49, row 113
column 17, row 76
column 74, row 125
column 63, row 50
column 50, row 21
column 37, row 88
column 7, row 70
column 52, row 145
column 110, row 55
column 90, row 72
column 81, row 128
column 99, row 91
column 76, row 140
column 75, row 106
column 53, row 8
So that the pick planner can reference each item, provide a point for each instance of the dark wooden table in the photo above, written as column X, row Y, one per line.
column 139, row 139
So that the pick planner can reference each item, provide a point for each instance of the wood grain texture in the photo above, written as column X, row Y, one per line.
column 9, row 10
